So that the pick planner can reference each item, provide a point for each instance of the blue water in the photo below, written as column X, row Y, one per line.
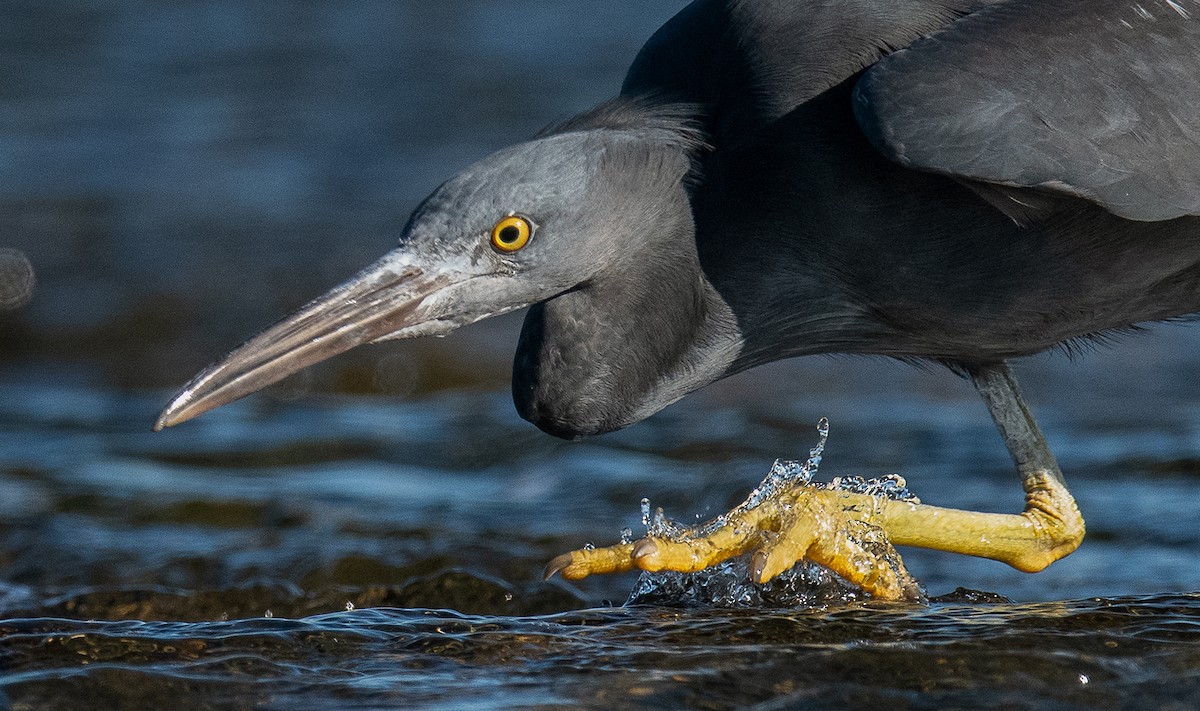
column 371, row 534
column 218, row 560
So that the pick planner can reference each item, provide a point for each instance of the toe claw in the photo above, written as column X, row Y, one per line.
column 644, row 548
column 560, row 563
column 758, row 564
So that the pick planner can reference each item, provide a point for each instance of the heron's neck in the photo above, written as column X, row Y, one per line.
column 642, row 333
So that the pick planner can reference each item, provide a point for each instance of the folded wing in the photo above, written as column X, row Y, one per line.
column 1098, row 99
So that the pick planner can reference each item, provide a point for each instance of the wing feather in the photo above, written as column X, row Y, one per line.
column 1098, row 99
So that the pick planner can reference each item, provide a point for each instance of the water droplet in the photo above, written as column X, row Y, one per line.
column 814, row 454
column 660, row 520
column 626, row 535
column 589, row 546
column 508, row 597
column 646, row 512
column 349, row 606
column 268, row 614
column 1083, row 679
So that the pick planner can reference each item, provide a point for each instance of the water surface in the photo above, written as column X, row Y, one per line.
column 371, row 534
column 367, row 552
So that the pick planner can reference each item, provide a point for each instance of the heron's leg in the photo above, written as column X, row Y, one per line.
column 1049, row 528
column 835, row 527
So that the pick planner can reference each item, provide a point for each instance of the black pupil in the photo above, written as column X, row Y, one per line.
column 510, row 234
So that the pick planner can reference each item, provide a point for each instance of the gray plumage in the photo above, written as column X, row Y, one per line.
column 1091, row 98
column 952, row 180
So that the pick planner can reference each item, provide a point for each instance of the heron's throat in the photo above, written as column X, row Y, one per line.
column 638, row 336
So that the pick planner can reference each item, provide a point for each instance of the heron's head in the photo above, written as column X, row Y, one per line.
column 520, row 227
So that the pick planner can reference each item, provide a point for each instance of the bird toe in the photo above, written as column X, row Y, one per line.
column 579, row 564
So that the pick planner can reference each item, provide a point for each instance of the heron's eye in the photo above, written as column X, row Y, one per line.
column 511, row 233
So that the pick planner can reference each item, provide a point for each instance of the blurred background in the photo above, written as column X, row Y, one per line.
column 180, row 174
column 175, row 176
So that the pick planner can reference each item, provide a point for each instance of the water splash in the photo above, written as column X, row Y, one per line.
column 728, row 584
column 788, row 473
column 658, row 525
column 888, row 486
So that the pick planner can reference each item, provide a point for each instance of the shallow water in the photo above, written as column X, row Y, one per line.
column 1109, row 653
column 368, row 552
column 371, row 534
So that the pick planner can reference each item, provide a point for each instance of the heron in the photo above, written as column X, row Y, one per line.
column 957, row 182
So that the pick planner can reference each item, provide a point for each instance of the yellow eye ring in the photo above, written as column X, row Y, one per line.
column 511, row 233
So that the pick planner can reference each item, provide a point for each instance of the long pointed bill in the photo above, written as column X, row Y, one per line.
column 388, row 299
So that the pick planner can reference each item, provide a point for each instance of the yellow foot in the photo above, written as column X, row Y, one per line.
column 786, row 520
column 850, row 529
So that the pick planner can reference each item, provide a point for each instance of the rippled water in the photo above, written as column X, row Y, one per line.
column 371, row 534
column 1109, row 653
column 368, row 552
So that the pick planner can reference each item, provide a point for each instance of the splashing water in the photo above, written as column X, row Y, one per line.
column 728, row 584
column 659, row 526
column 787, row 473
column 888, row 486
